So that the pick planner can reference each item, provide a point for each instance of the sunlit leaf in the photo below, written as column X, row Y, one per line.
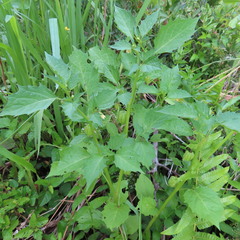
column 174, row 34
column 114, row 215
column 205, row 203
column 93, row 167
column 27, row 100
column 125, row 22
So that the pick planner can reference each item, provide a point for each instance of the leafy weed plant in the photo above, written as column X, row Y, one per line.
column 116, row 105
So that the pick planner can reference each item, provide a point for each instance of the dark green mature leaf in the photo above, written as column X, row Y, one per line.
column 121, row 45
column 72, row 158
column 92, row 168
column 185, row 110
column 128, row 60
column 174, row 34
column 105, row 97
column 27, row 100
column 178, row 93
column 230, row 120
column 170, row 79
column 70, row 109
column 146, row 120
column 172, row 124
column 145, row 152
column 143, row 88
column 205, row 203
column 147, row 24
column 106, row 61
column 115, row 215
column 125, row 22
column 85, row 72
column 126, row 159
column 102, row 57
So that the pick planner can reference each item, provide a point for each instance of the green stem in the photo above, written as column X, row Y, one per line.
column 177, row 188
column 95, row 139
column 129, row 110
column 129, row 107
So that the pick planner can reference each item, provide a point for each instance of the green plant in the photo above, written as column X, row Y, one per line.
column 117, row 103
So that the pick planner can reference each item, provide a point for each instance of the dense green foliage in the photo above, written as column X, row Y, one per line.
column 119, row 120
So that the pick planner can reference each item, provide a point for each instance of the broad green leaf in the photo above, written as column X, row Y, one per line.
column 185, row 110
column 88, row 218
column 114, row 215
column 174, row 34
column 126, row 159
column 147, row 206
column 178, row 93
column 173, row 124
column 116, row 141
column 230, row 120
column 121, row 45
column 205, row 203
column 72, row 158
column 87, row 74
column 186, row 220
column 125, row 22
column 147, row 24
column 27, row 100
column 105, row 97
column 143, row 88
column 59, row 67
column 17, row 159
column 205, row 122
column 124, row 98
column 146, row 153
column 92, row 168
column 170, row 79
column 132, row 224
column 105, row 60
column 102, row 57
column 70, row 110
column 144, row 187
column 128, row 60
column 152, row 67
column 146, row 120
